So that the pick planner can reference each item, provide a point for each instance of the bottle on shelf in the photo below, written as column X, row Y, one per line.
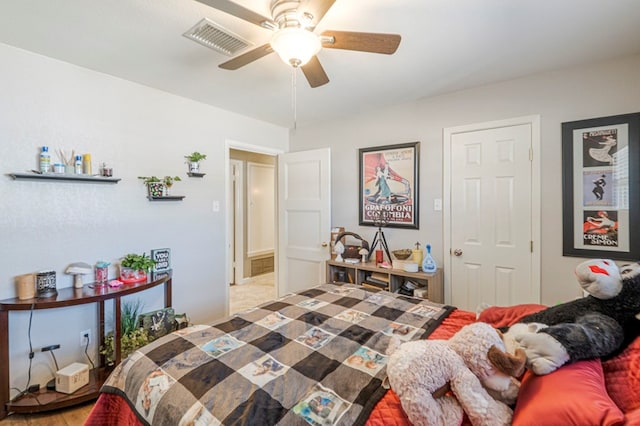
column 417, row 254
column 77, row 165
column 45, row 160
column 86, row 164
column 428, row 264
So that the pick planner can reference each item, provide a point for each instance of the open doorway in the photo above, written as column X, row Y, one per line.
column 252, row 225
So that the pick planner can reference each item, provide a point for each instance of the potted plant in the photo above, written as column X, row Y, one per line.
column 154, row 185
column 169, row 180
column 193, row 160
column 134, row 267
column 132, row 336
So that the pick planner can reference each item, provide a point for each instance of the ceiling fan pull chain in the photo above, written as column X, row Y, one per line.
column 294, row 102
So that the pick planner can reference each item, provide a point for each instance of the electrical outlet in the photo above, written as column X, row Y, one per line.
column 85, row 337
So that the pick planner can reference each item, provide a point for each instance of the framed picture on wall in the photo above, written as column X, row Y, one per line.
column 389, row 185
column 600, row 184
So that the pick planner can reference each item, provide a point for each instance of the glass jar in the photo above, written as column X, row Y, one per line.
column 102, row 273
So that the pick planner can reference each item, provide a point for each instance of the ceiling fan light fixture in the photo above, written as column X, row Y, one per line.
column 295, row 46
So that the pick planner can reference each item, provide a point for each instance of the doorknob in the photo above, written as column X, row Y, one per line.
column 457, row 252
column 325, row 244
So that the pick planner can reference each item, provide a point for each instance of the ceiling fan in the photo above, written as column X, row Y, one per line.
column 295, row 42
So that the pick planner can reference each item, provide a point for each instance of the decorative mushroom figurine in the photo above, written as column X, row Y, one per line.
column 363, row 252
column 78, row 269
column 339, row 249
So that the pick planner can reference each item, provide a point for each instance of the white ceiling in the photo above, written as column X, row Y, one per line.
column 447, row 45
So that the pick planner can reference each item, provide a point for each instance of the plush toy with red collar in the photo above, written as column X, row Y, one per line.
column 601, row 324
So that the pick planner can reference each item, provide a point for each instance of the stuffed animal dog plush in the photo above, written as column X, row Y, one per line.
column 421, row 372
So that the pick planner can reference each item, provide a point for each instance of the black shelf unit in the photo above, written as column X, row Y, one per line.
column 166, row 198
column 63, row 177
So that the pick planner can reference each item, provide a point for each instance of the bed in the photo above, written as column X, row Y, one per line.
column 318, row 357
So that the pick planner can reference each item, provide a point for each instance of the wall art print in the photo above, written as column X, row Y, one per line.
column 389, row 185
column 601, row 159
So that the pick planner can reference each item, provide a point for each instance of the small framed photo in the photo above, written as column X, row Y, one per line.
column 389, row 185
column 600, row 183
column 163, row 259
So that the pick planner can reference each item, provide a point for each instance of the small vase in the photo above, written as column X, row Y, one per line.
column 129, row 275
column 156, row 189
column 194, row 167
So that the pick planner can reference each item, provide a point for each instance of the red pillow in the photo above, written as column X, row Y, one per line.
column 623, row 377
column 503, row 316
column 574, row 394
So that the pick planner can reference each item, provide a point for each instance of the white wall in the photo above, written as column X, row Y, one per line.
column 586, row 92
column 137, row 131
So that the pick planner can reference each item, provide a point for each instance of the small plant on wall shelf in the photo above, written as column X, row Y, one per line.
column 195, row 157
column 156, row 186
column 193, row 160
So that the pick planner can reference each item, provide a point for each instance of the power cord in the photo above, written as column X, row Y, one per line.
column 87, row 353
column 27, row 389
column 55, row 361
column 31, row 354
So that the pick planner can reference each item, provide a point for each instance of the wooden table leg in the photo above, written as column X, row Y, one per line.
column 4, row 363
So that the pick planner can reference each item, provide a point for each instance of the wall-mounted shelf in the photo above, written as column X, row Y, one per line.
column 192, row 174
column 64, row 177
column 166, row 198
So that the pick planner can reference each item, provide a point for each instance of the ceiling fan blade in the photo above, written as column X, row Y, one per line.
column 317, row 9
column 246, row 58
column 239, row 12
column 363, row 42
column 314, row 73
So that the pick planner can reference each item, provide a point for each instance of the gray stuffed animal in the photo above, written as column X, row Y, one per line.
column 601, row 324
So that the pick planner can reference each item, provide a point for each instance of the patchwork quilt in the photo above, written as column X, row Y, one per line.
column 315, row 357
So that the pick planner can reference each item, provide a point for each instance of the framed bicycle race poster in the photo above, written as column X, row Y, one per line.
column 601, row 179
column 389, row 185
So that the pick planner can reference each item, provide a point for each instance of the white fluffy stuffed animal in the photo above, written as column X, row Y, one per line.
column 421, row 372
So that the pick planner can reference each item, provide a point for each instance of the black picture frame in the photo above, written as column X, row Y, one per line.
column 600, row 183
column 388, row 185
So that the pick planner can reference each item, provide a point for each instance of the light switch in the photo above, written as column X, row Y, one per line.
column 216, row 206
column 437, row 204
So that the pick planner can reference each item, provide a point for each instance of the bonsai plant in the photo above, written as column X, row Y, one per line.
column 193, row 160
column 134, row 267
column 132, row 336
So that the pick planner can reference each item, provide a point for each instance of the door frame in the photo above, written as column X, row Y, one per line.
column 235, row 217
column 243, row 146
column 534, row 154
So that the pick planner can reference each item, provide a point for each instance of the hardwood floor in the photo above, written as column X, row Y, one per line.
column 72, row 416
column 242, row 296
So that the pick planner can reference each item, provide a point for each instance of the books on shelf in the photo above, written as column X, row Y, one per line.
column 371, row 284
column 380, row 277
column 372, row 280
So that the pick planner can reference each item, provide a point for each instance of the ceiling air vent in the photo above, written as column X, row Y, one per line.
column 216, row 37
